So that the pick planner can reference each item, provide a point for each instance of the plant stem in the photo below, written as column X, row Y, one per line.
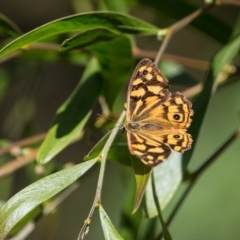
column 165, row 231
column 17, row 163
column 214, row 156
column 196, row 174
column 176, row 27
column 162, row 47
column 23, row 142
column 103, row 158
column 185, row 21
column 103, row 154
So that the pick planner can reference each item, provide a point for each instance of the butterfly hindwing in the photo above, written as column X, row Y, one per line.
column 150, row 152
column 177, row 139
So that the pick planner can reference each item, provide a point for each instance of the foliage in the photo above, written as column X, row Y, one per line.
column 103, row 43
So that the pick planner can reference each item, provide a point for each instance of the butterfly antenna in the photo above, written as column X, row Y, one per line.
column 106, row 117
column 119, row 126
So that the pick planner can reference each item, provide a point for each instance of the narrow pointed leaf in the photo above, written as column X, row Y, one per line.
column 7, row 27
column 166, row 233
column 81, row 22
column 109, row 230
column 224, row 56
column 30, row 197
column 72, row 115
column 115, row 71
column 118, row 152
column 142, row 174
column 88, row 38
column 167, row 177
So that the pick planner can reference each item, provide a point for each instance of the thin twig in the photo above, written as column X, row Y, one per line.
column 170, row 31
column 165, row 231
column 17, row 163
column 214, row 156
column 163, row 47
column 102, row 157
column 185, row 21
column 229, row 2
column 46, row 210
column 188, row 62
column 55, row 202
column 177, row 207
column 23, row 142
column 10, row 56
column 193, row 177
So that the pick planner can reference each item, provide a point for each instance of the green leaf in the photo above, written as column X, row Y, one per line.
column 30, row 197
column 142, row 174
column 47, row 55
column 221, row 59
column 148, row 229
column 131, row 223
column 7, row 27
column 95, row 151
column 27, row 219
column 118, row 152
column 72, row 115
column 236, row 30
column 167, row 177
column 115, row 59
column 88, row 38
column 166, row 233
column 81, row 22
column 225, row 56
column 109, row 230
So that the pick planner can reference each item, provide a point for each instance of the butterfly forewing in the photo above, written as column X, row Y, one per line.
column 175, row 112
column 156, row 119
column 147, row 88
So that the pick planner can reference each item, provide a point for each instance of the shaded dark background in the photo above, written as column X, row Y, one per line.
column 212, row 210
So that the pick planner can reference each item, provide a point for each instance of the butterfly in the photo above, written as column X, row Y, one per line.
column 156, row 119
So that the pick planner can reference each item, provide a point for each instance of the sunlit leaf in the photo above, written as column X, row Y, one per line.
column 72, row 115
column 166, row 233
column 224, row 56
column 33, row 195
column 82, row 22
column 142, row 174
column 167, row 177
column 118, row 152
column 109, row 230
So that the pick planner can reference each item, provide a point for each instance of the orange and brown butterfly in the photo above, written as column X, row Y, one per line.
column 156, row 119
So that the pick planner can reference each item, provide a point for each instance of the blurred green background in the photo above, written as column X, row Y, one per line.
column 32, row 90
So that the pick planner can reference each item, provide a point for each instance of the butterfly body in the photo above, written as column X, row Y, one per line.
column 156, row 119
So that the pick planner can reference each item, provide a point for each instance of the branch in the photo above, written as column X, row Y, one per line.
column 193, row 177
column 102, row 158
column 23, row 142
column 17, row 163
